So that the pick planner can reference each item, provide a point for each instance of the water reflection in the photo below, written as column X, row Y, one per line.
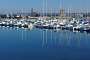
column 41, row 44
column 61, row 38
column 52, row 38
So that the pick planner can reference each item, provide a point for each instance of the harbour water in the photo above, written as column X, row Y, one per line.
column 43, row 44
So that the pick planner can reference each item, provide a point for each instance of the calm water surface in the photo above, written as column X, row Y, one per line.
column 37, row 44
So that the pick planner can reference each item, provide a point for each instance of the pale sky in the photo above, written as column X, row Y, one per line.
column 54, row 4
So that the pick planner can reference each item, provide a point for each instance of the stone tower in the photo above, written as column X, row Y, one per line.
column 62, row 13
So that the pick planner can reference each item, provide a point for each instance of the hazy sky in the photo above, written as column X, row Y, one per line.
column 14, row 4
